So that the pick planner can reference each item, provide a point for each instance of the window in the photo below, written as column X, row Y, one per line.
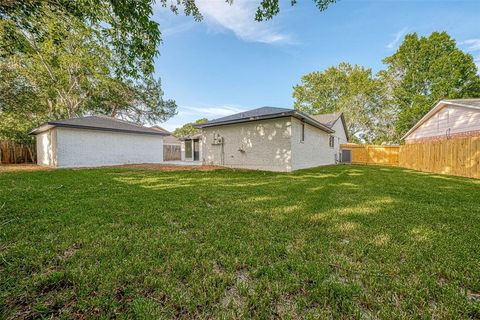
column 331, row 141
column 302, row 138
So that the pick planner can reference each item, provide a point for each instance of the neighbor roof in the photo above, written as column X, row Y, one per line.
column 161, row 129
column 262, row 114
column 466, row 103
column 103, row 123
column 327, row 119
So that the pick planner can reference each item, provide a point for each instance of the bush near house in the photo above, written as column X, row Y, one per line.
column 331, row 242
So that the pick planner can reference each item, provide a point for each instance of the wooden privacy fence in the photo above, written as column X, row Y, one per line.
column 458, row 157
column 171, row 152
column 373, row 154
column 16, row 152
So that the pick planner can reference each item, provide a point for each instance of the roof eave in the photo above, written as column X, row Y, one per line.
column 344, row 123
column 270, row 116
column 293, row 113
column 41, row 129
column 53, row 124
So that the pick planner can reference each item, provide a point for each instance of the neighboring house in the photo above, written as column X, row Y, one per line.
column 275, row 139
column 97, row 141
column 169, row 139
column 447, row 119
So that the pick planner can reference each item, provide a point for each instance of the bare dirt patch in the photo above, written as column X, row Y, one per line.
column 169, row 167
column 22, row 167
column 143, row 166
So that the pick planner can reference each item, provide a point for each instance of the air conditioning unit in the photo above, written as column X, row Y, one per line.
column 217, row 139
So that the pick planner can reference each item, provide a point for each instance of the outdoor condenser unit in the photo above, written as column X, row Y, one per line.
column 217, row 139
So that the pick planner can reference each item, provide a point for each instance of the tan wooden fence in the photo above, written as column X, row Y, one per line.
column 171, row 152
column 458, row 157
column 16, row 152
column 373, row 154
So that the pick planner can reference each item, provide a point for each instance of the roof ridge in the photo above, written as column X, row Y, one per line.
column 117, row 119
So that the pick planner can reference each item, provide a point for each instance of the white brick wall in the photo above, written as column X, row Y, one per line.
column 92, row 148
column 315, row 151
column 260, row 145
column 272, row 145
column 47, row 148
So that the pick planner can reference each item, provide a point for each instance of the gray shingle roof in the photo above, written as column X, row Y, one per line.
column 260, row 112
column 264, row 113
column 327, row 119
column 103, row 123
column 156, row 127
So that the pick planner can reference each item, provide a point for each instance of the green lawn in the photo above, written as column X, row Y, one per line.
column 332, row 242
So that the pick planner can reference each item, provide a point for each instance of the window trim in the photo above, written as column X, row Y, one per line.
column 331, row 141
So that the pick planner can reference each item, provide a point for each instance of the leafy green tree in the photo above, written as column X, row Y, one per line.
column 64, row 70
column 188, row 129
column 127, row 25
column 352, row 90
column 425, row 70
column 140, row 102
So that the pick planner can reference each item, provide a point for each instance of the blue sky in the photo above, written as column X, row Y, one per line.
column 228, row 62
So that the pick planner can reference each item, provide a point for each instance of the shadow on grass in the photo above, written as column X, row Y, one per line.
column 339, row 241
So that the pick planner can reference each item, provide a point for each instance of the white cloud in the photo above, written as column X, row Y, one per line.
column 397, row 38
column 220, row 16
column 177, row 28
column 472, row 44
column 239, row 17
column 220, row 111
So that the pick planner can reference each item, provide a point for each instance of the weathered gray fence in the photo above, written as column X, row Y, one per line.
column 171, row 152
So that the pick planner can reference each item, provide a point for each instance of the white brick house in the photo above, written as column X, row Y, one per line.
column 96, row 141
column 274, row 139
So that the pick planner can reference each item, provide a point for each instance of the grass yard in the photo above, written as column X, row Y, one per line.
column 332, row 242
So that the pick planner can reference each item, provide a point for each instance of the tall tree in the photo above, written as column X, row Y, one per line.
column 63, row 69
column 352, row 90
column 127, row 25
column 425, row 70
column 188, row 129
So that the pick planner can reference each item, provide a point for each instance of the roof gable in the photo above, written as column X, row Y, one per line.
column 466, row 103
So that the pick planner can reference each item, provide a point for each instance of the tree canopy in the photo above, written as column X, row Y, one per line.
column 352, row 90
column 127, row 25
column 425, row 70
column 59, row 67
column 188, row 129
column 63, row 58
column 382, row 107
